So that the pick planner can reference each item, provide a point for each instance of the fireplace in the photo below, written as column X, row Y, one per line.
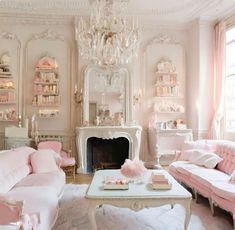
column 106, row 154
column 95, row 146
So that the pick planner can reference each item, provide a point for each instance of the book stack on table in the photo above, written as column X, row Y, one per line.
column 159, row 181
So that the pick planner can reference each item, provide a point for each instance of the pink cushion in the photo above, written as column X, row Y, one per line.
column 70, row 161
column 10, row 211
column 55, row 145
column 55, row 180
column 42, row 200
column 227, row 152
column 43, row 161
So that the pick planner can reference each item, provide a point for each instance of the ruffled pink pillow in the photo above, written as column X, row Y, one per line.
column 133, row 168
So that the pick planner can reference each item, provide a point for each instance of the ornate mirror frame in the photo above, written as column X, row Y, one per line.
column 127, row 89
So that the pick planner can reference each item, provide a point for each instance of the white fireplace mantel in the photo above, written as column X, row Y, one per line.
column 132, row 133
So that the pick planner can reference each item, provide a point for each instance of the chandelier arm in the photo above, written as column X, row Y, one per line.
column 109, row 39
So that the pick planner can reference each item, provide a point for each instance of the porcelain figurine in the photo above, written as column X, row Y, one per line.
column 5, row 59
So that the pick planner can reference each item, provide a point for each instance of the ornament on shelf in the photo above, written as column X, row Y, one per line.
column 5, row 59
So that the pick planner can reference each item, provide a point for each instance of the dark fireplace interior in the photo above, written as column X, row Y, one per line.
column 106, row 153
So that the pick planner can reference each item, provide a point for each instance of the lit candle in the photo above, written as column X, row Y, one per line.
column 19, row 123
column 75, row 89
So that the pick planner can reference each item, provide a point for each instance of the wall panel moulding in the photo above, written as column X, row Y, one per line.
column 28, row 19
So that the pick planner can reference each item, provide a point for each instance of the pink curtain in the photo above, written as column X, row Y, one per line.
column 218, row 81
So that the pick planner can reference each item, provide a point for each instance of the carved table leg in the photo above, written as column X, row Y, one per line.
column 187, row 206
column 212, row 206
column 91, row 216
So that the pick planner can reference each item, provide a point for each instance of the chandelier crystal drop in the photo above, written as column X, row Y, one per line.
column 109, row 39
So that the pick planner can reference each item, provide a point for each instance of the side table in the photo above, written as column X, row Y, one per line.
column 14, row 142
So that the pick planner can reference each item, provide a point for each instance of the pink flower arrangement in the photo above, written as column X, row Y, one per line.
column 133, row 168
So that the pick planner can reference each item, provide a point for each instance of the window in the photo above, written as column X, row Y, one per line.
column 230, row 81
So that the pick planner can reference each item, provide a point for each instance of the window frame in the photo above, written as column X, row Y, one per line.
column 228, row 132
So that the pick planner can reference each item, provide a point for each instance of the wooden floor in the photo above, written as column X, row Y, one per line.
column 80, row 179
column 87, row 178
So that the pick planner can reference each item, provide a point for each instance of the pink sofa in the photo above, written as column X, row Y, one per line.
column 215, row 183
column 38, row 193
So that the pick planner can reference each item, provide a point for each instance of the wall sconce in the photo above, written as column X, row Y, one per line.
column 137, row 97
column 78, row 95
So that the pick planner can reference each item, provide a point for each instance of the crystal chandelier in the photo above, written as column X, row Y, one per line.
column 109, row 39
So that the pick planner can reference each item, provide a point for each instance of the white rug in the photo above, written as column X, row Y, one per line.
column 73, row 215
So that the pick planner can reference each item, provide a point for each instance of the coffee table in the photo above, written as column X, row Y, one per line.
column 137, row 197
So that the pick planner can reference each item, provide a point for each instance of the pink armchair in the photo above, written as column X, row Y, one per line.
column 67, row 162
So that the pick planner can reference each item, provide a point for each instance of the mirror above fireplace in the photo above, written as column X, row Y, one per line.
column 107, row 100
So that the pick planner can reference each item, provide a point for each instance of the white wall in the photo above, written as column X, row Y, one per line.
column 199, row 71
column 36, row 37
column 195, row 40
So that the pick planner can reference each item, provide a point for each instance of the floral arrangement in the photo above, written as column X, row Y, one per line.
column 133, row 168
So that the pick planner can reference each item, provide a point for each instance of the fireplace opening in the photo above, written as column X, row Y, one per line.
column 106, row 153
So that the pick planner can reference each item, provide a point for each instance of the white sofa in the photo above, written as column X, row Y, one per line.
column 40, row 192
column 213, row 183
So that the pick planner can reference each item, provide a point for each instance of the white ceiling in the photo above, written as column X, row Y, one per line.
column 154, row 11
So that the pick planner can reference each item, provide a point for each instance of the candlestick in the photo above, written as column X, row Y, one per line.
column 19, row 122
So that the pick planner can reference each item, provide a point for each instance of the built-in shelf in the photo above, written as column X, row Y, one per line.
column 46, row 84
column 5, row 73
column 168, row 97
column 8, row 108
column 170, row 112
column 1, row 120
column 46, row 94
column 46, row 105
column 166, row 73
column 166, row 84
column 8, row 103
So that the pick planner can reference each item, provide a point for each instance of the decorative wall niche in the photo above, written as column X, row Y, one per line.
column 165, row 78
column 46, row 82
column 46, row 90
column 9, row 79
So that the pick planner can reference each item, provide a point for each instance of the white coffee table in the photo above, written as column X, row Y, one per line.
column 137, row 197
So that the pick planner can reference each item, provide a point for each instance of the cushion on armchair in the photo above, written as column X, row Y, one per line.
column 55, row 145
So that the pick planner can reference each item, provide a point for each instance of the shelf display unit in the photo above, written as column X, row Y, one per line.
column 169, row 103
column 167, row 88
column 167, row 84
column 7, row 90
column 46, row 93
